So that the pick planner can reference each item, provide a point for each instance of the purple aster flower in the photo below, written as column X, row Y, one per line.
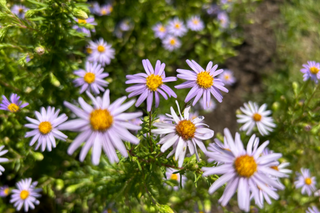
column 227, row 77
column 160, row 31
column 91, row 78
column 223, row 19
column 4, row 191
column 195, row 23
column 203, row 83
column 80, row 27
column 211, row 9
column 104, row 10
column 313, row 209
column 176, row 27
column 171, row 43
column 162, row 119
column 306, row 182
column 245, row 171
column 311, row 70
column 149, row 84
column 19, row 10
column 175, row 177
column 13, row 105
column 2, row 152
column 101, row 52
column 102, row 127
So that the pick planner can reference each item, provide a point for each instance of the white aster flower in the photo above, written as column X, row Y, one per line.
column 46, row 128
column 195, row 23
column 183, row 133
column 171, row 43
column 253, row 115
column 103, row 126
column 25, row 195
column 227, row 77
column 2, row 152
column 101, row 52
column 306, row 182
column 160, row 31
column 176, row 27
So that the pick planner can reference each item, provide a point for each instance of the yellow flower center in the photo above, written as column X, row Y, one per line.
column 82, row 21
column 103, row 11
column 172, row 41
column 89, row 77
column 153, row 82
column 195, row 21
column 256, row 117
column 204, row 79
column 314, row 70
column 162, row 29
column 89, row 50
column 6, row 191
column 101, row 48
column 110, row 9
column 275, row 168
column 13, row 107
column 109, row 210
column 186, row 129
column 20, row 10
column 24, row 194
column 174, row 177
column 177, row 26
column 100, row 119
column 226, row 77
column 308, row 181
column 45, row 127
column 245, row 166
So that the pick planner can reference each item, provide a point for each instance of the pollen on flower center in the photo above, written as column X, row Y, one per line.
column 89, row 50
column 89, row 77
column 245, row 166
column 82, row 21
column 204, row 79
column 308, row 181
column 162, row 29
column 6, row 191
column 103, row 11
column 174, row 177
column 195, row 21
column 177, row 26
column 314, row 70
column 45, row 127
column 172, row 42
column 13, row 107
column 101, row 48
column 100, row 119
column 186, row 129
column 256, row 117
column 20, row 10
column 153, row 82
column 226, row 77
column 24, row 194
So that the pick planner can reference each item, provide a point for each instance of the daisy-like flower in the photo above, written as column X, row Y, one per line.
column 160, row 31
column 91, row 78
column 223, row 19
column 211, row 9
column 182, row 133
column 175, row 177
column 244, row 170
column 80, row 27
column 176, row 27
column 203, row 83
column 227, row 77
column 2, row 152
column 305, row 181
column 103, row 126
column 101, row 52
column 162, row 119
column 256, row 116
column 149, row 84
column 313, row 209
column 311, row 70
column 4, row 191
column 104, row 10
column 19, row 10
column 171, row 43
column 25, row 195
column 13, row 105
column 211, row 106
column 46, row 128
column 195, row 23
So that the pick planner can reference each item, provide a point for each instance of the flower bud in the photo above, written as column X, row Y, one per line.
column 40, row 50
column 79, row 13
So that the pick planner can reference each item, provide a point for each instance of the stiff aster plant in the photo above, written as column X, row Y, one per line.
column 311, row 70
column 244, row 170
column 91, row 78
column 13, row 105
column 256, row 116
column 159, row 30
column 223, row 19
column 203, row 83
column 195, row 23
column 25, row 195
column 176, row 27
column 305, row 182
column 2, row 152
column 182, row 133
column 46, row 128
column 171, row 43
column 101, row 52
column 19, row 10
column 103, row 126
column 150, row 84
column 227, row 77
column 80, row 27
column 4, row 191
column 104, row 10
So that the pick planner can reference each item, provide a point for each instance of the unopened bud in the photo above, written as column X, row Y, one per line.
column 79, row 13
column 275, row 106
column 40, row 50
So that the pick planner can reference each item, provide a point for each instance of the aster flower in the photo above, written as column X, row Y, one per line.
column 171, row 43
column 19, row 10
column 149, row 84
column 211, row 106
column 103, row 126
column 4, row 191
column 244, row 170
column 176, row 27
column 182, row 133
column 306, row 182
column 256, row 116
column 227, row 77
column 46, row 128
column 195, row 23
column 175, row 177
column 2, row 159
column 160, row 31
column 202, row 81
column 124, row 26
column 25, row 195
column 223, row 19
column 162, row 119
column 28, row 57
column 311, row 70
column 101, row 52
column 13, row 105
column 104, row 10
column 211, row 9
column 313, row 209
column 80, row 27
column 91, row 78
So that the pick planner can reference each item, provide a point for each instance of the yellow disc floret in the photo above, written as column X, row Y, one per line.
column 172, row 42
column 45, row 127
column 100, row 119
column 13, row 107
column 204, row 79
column 82, row 21
column 153, row 82
column 89, row 77
column 186, row 129
column 195, row 21
column 174, row 177
column 89, row 50
column 256, row 117
column 6, row 191
column 24, row 194
column 101, row 48
column 314, row 70
column 308, row 181
column 177, row 25
column 245, row 166
column 162, row 29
